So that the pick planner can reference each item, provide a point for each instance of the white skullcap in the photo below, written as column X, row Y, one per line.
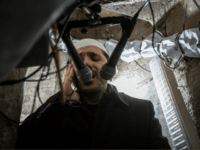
column 90, row 42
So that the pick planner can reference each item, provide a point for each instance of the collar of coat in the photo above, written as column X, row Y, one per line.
column 112, row 96
column 111, row 99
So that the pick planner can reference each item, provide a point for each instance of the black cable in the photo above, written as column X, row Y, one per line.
column 180, row 48
column 33, row 106
column 67, row 101
column 42, row 79
column 196, row 4
column 142, row 67
column 10, row 82
column 184, row 18
column 141, row 35
column 178, row 63
column 59, row 70
column 140, row 30
column 48, row 68
column 38, row 90
column 165, row 27
column 165, row 57
column 140, row 48
column 65, row 25
column 9, row 118
column 38, row 85
column 142, row 7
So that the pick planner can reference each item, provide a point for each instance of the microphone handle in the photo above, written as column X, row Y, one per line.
column 114, row 58
column 73, row 53
column 83, row 72
column 109, row 69
column 112, row 62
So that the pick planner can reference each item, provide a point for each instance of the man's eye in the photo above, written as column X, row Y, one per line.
column 95, row 59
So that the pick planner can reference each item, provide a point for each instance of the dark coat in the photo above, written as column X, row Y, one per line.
column 121, row 121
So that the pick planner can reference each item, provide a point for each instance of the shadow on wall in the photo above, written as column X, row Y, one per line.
column 11, row 98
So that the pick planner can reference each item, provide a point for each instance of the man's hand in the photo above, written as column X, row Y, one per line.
column 67, row 89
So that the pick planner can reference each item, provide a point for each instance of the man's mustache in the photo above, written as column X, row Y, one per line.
column 93, row 71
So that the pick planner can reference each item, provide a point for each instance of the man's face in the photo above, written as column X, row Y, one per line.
column 92, row 57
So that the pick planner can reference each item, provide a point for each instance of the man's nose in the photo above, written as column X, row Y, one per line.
column 87, row 61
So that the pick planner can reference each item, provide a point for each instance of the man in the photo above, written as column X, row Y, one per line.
column 105, row 119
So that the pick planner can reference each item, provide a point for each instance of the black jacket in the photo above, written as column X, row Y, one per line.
column 120, row 121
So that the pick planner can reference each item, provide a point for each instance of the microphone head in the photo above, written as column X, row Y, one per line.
column 85, row 74
column 107, row 72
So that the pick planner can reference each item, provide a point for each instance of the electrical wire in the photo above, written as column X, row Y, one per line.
column 67, row 101
column 37, row 92
column 184, row 18
column 38, row 86
column 59, row 70
column 140, row 30
column 165, row 27
column 11, row 82
column 196, row 4
column 178, row 63
column 141, row 37
column 142, row 67
column 37, row 89
column 9, row 118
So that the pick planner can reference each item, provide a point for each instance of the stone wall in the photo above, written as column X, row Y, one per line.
column 10, row 104
column 47, row 88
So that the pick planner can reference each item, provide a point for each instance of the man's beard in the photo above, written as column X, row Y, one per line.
column 92, row 92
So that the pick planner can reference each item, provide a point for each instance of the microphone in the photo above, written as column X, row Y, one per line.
column 109, row 69
column 83, row 72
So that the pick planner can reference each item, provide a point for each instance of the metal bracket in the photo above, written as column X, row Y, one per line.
column 107, row 21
